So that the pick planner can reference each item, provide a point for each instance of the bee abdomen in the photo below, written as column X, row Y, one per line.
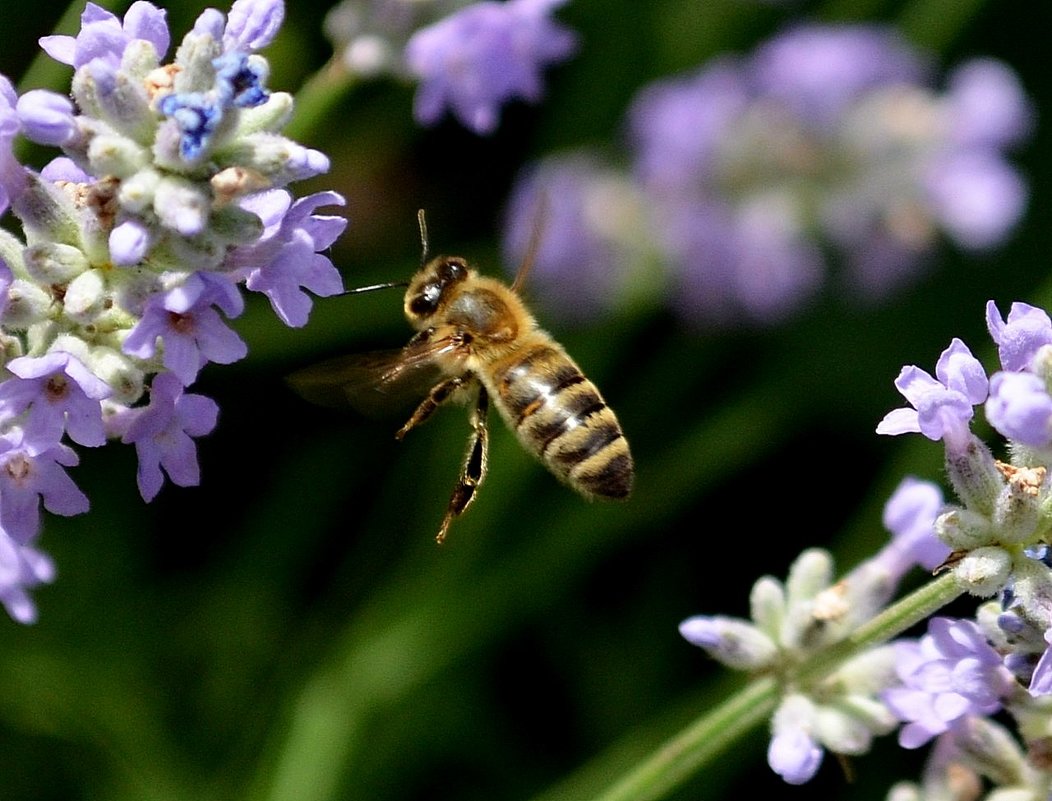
column 560, row 415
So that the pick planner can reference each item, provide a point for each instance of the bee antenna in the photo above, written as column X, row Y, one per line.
column 421, row 220
column 540, row 217
column 386, row 285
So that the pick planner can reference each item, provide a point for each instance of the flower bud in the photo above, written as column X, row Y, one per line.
column 85, row 296
column 984, row 571
column 137, row 192
column 991, row 750
column 963, row 530
column 767, row 606
column 54, row 263
column 116, row 155
column 270, row 116
column 735, row 643
column 181, row 205
column 974, row 475
column 47, row 117
column 27, row 304
column 120, row 372
column 1017, row 509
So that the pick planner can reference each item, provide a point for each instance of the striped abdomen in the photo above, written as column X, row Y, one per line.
column 559, row 414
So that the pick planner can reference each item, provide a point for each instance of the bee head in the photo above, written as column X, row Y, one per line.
column 430, row 287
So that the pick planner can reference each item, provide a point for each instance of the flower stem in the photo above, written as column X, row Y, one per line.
column 688, row 752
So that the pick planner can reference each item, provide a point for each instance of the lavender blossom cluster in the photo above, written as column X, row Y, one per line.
column 169, row 196
column 978, row 690
column 750, row 178
column 469, row 58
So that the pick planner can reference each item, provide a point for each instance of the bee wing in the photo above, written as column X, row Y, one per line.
column 377, row 384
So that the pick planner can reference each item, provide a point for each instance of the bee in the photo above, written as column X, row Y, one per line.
column 476, row 342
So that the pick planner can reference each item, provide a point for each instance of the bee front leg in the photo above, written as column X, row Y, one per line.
column 474, row 470
column 439, row 394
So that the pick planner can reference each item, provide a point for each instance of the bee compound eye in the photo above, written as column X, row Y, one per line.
column 427, row 301
column 451, row 270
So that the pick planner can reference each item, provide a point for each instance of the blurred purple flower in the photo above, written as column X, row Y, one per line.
column 910, row 516
column 949, row 674
column 22, row 567
column 584, row 219
column 252, row 24
column 817, row 71
column 482, row 56
column 825, row 138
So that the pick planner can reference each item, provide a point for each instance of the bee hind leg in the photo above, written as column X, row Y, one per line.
column 439, row 394
column 474, row 469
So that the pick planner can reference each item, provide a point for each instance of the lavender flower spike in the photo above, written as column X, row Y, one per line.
column 482, row 56
column 942, row 409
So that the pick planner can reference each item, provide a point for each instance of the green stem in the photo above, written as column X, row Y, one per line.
column 688, row 752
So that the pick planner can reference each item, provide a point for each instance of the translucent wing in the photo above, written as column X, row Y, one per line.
column 377, row 384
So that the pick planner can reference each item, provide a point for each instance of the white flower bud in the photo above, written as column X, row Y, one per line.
column 53, row 263
column 120, row 372
column 182, row 206
column 269, row 116
column 992, row 750
column 85, row 296
column 27, row 304
column 963, row 530
column 840, row 731
column 140, row 58
column 136, row 193
column 984, row 571
column 116, row 155
column 767, row 606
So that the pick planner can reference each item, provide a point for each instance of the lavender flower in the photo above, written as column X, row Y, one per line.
column 483, row 56
column 803, row 616
column 910, row 515
column 827, row 136
column 942, row 406
column 104, row 36
column 951, row 673
column 1019, row 337
column 162, row 433
column 138, row 239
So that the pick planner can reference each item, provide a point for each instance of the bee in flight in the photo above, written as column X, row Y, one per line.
column 476, row 342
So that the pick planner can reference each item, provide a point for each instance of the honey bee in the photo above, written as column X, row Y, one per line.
column 477, row 342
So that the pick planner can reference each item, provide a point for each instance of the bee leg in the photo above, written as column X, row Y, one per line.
column 474, row 470
column 439, row 394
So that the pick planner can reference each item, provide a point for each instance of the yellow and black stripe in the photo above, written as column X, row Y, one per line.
column 559, row 415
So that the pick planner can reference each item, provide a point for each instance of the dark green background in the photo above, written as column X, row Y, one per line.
column 289, row 630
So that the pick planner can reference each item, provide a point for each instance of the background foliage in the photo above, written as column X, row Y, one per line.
column 289, row 630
